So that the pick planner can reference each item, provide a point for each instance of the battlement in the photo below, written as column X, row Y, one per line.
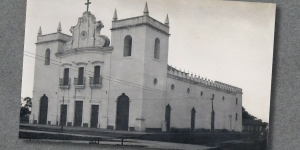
column 181, row 75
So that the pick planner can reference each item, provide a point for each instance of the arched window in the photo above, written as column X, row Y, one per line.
column 236, row 116
column 172, row 86
column 156, row 48
column 188, row 90
column 223, row 98
column 47, row 57
column 201, row 93
column 236, row 101
column 127, row 46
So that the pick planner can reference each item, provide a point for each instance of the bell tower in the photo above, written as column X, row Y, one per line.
column 140, row 59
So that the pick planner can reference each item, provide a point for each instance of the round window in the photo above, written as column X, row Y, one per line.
column 155, row 81
column 83, row 34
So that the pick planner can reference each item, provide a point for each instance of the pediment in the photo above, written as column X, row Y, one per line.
column 87, row 33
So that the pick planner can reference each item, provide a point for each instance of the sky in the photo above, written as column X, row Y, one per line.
column 225, row 41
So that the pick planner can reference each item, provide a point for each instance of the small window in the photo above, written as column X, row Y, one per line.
column 188, row 90
column 223, row 98
column 236, row 101
column 66, row 76
column 156, row 48
column 172, row 87
column 96, row 79
column 47, row 57
column 213, row 97
column 155, row 81
column 236, row 116
column 201, row 93
column 127, row 46
column 80, row 76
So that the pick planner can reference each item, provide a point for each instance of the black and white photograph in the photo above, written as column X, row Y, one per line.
column 148, row 74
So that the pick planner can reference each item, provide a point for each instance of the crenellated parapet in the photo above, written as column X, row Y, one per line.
column 194, row 79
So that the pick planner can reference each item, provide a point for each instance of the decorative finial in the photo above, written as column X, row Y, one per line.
column 59, row 27
column 167, row 21
column 40, row 31
column 115, row 18
column 146, row 12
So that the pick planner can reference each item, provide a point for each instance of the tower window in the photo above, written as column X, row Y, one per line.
column 236, row 101
column 156, row 48
column 201, row 93
column 188, row 90
column 127, row 46
column 47, row 57
column 223, row 98
column 236, row 116
column 172, row 86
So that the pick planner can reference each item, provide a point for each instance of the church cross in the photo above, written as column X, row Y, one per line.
column 88, row 2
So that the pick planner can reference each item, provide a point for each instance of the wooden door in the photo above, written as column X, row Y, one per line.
column 122, row 113
column 78, row 113
column 168, row 117
column 193, row 114
column 63, row 114
column 43, row 110
column 94, row 116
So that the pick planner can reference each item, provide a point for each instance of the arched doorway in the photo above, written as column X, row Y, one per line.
column 193, row 114
column 122, row 112
column 168, row 117
column 43, row 109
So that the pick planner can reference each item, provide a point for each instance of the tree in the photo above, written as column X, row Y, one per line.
column 246, row 115
column 26, row 105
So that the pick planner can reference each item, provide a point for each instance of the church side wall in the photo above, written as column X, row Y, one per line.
column 182, row 102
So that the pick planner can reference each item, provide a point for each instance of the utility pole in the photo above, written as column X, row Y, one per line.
column 61, row 124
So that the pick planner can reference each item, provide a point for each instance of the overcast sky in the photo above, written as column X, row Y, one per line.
column 231, row 42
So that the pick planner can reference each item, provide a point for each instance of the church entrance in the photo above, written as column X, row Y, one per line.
column 122, row 112
column 168, row 117
column 43, row 109
column 94, row 116
column 78, row 113
column 63, row 114
column 193, row 113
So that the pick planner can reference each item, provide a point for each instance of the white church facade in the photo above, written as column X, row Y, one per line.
column 125, row 83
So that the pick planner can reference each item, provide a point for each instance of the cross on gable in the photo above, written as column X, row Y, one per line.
column 88, row 2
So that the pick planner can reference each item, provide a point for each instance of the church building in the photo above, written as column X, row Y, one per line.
column 124, row 82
